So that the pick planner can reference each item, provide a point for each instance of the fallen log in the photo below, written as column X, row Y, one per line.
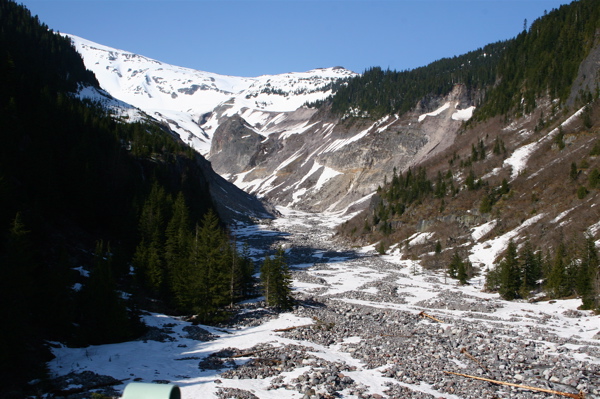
column 579, row 395
column 318, row 323
column 423, row 314
column 293, row 328
column 464, row 351
column 247, row 354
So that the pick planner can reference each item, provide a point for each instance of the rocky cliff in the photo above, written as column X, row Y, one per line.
column 317, row 161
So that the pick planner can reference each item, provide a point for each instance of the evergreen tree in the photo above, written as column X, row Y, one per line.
column 454, row 265
column 242, row 280
column 498, row 147
column 470, row 181
column 103, row 317
column 461, row 273
column 558, row 280
column 178, row 239
column 486, row 204
column 218, row 255
column 510, row 280
column 277, row 281
column 594, row 179
column 438, row 247
column 587, row 273
column 199, row 280
column 492, row 279
column 587, row 117
column 531, row 271
column 574, row 172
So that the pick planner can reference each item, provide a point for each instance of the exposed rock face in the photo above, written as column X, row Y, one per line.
column 587, row 75
column 235, row 145
column 317, row 161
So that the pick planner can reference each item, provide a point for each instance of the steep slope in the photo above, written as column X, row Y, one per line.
column 518, row 186
column 334, row 163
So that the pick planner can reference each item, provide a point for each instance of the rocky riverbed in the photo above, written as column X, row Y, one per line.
column 366, row 326
column 383, row 321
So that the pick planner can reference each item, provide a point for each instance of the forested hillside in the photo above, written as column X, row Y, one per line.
column 541, row 60
column 544, row 60
column 380, row 92
column 479, row 183
column 84, row 198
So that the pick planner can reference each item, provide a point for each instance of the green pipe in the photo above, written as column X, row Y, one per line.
column 144, row 390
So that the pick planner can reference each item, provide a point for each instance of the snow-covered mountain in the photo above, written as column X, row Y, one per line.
column 191, row 101
column 257, row 133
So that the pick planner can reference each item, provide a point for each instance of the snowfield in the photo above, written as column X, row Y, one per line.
column 184, row 97
column 359, row 332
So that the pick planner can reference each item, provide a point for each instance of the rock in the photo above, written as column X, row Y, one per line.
column 198, row 334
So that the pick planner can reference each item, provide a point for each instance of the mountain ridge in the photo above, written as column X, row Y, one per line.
column 274, row 112
column 192, row 101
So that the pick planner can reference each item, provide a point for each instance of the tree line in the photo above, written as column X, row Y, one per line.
column 570, row 270
column 541, row 60
column 379, row 92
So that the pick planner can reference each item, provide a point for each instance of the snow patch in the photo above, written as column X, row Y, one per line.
column 518, row 160
column 485, row 253
column 435, row 113
column 482, row 230
column 327, row 174
column 463, row 114
column 419, row 238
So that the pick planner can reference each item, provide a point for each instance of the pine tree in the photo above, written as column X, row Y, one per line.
column 241, row 279
column 218, row 257
column 102, row 312
column 531, row 270
column 594, row 179
column 266, row 278
column 486, row 204
column 454, row 265
column 470, row 181
column 200, row 280
column 177, row 249
column 462, row 274
column 177, row 234
column 574, row 172
column 557, row 282
column 510, row 280
column 587, row 273
column 277, row 282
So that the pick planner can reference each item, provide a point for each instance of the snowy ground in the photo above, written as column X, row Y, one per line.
column 367, row 339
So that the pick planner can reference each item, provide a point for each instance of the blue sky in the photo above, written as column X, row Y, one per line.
column 252, row 38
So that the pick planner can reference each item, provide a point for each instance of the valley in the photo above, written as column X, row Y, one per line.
column 440, row 224
column 360, row 330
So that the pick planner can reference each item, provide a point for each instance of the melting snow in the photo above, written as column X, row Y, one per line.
column 518, row 160
column 463, row 114
column 483, row 229
column 435, row 113
column 177, row 361
column 327, row 174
